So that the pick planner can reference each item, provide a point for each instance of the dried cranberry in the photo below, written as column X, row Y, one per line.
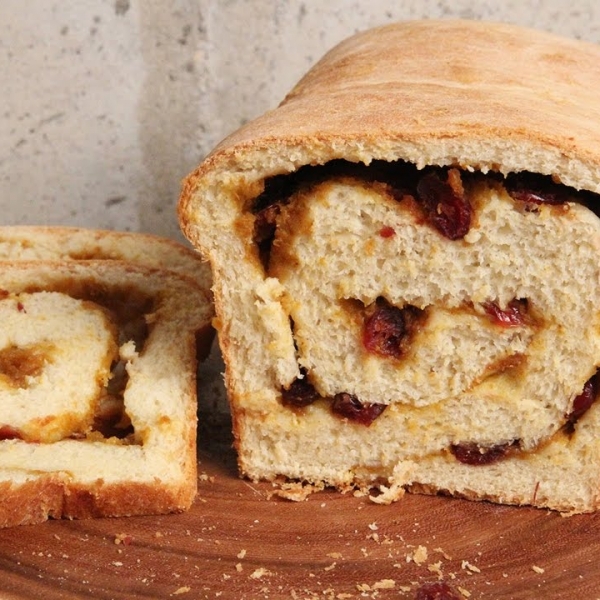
column 436, row 591
column 387, row 232
column 584, row 400
column 471, row 453
column 9, row 433
column 445, row 204
column 349, row 406
column 300, row 393
column 533, row 188
column 387, row 329
column 514, row 315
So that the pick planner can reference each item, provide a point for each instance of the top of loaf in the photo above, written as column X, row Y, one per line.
column 479, row 95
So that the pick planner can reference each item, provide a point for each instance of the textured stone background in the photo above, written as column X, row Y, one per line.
column 106, row 104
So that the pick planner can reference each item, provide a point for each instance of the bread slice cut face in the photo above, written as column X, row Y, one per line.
column 97, row 389
column 55, row 360
column 406, row 262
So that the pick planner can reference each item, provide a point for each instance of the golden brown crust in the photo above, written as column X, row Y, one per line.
column 514, row 500
column 475, row 94
column 48, row 497
column 123, row 500
column 31, row 502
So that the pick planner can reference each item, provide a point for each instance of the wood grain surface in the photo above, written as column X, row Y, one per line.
column 241, row 542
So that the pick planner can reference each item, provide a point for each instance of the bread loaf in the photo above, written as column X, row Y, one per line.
column 406, row 263
column 98, row 380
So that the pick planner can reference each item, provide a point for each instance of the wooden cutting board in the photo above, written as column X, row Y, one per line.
column 241, row 542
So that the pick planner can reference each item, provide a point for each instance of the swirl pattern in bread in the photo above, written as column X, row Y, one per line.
column 98, row 386
column 56, row 354
column 406, row 261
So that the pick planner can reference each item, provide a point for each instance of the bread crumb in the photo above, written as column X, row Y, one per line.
column 330, row 567
column 258, row 573
column 239, row 568
column 436, row 568
column 182, row 590
column 419, row 556
column 467, row 565
column 401, row 476
column 383, row 584
column 538, row 569
column 464, row 592
column 373, row 526
column 241, row 553
column 123, row 538
column 443, row 553
column 296, row 491
column 336, row 555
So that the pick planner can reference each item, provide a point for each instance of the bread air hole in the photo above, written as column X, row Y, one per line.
column 131, row 312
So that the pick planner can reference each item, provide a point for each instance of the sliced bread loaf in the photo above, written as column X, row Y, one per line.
column 406, row 261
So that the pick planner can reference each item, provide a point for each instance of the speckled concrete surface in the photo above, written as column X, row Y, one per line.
column 106, row 104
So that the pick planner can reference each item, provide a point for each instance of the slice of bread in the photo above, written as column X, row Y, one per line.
column 406, row 262
column 98, row 385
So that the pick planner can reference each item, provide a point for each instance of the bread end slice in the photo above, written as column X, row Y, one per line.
column 138, row 455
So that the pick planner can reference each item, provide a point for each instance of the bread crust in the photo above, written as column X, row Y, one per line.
column 35, row 242
column 484, row 96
